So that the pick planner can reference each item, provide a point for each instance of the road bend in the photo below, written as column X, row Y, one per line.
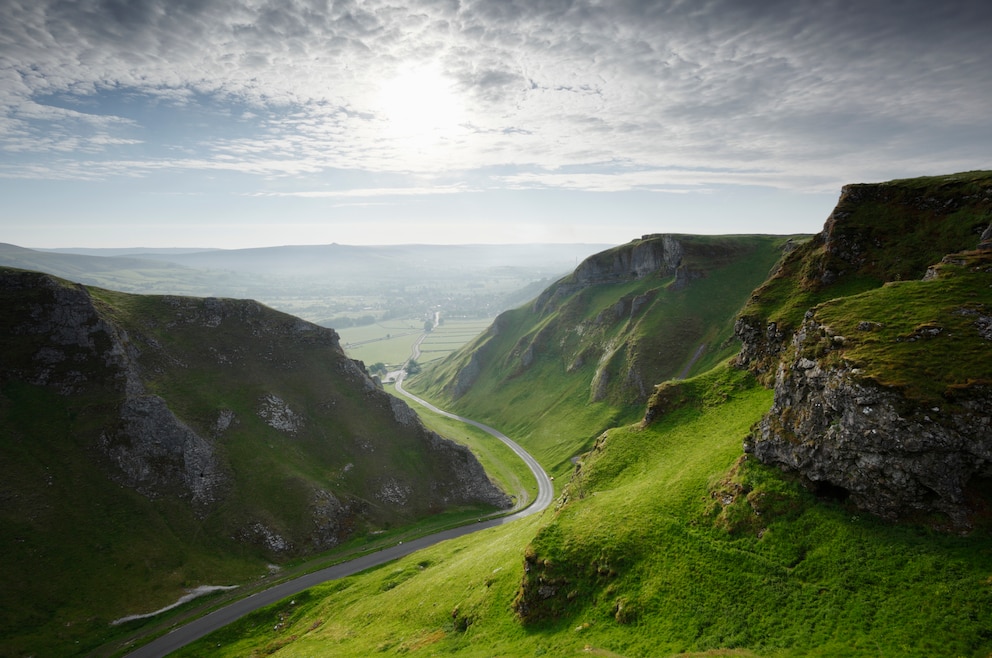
column 198, row 628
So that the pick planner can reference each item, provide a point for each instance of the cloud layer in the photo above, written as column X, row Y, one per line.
column 592, row 94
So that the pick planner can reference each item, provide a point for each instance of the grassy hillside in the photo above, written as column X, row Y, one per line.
column 878, row 233
column 666, row 543
column 100, row 520
column 928, row 339
column 557, row 373
column 668, row 540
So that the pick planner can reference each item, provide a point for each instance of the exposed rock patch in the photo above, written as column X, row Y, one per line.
column 277, row 414
column 154, row 450
column 890, row 456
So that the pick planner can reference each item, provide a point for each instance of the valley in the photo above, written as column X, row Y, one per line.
column 752, row 445
column 219, row 618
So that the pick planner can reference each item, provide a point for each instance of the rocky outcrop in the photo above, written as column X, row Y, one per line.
column 155, row 452
column 852, row 438
column 858, row 427
column 467, row 480
column 659, row 255
column 652, row 254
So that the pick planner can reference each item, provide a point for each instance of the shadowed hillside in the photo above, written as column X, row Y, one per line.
column 155, row 444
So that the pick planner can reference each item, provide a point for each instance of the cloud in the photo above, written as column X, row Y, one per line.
column 377, row 192
column 812, row 92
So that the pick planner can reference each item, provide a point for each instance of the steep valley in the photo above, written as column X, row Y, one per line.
column 764, row 446
column 673, row 536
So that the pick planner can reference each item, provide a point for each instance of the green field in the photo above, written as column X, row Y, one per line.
column 390, row 342
column 448, row 337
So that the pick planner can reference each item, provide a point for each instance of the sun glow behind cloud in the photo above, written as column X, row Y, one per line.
column 420, row 108
column 284, row 112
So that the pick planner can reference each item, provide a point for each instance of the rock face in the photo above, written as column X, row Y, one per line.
column 155, row 451
column 901, row 433
column 852, row 438
column 657, row 255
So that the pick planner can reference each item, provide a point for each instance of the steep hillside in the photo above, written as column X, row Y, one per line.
column 878, row 233
column 669, row 539
column 885, row 396
column 154, row 444
column 591, row 347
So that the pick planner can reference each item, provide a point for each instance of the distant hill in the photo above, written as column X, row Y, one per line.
column 323, row 282
column 593, row 345
column 151, row 444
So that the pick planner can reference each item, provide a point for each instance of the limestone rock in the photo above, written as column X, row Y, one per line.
column 855, row 438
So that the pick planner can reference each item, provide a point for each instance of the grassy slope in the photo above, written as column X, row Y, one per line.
column 547, row 405
column 114, row 552
column 923, row 336
column 667, row 543
column 901, row 228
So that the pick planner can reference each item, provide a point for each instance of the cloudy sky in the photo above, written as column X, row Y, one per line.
column 234, row 123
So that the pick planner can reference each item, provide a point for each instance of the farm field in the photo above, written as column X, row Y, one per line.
column 390, row 342
column 448, row 337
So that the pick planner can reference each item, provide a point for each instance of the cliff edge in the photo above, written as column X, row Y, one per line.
column 877, row 338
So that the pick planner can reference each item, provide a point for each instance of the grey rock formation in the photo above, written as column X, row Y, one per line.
column 155, row 451
column 985, row 242
column 651, row 255
column 467, row 480
column 854, row 438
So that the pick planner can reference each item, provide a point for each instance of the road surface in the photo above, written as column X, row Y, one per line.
column 221, row 617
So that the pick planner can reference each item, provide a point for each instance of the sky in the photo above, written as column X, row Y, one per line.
column 244, row 123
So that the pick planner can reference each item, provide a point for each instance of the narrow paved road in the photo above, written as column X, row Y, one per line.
column 221, row 617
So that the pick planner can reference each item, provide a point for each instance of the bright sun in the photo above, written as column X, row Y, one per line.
column 420, row 106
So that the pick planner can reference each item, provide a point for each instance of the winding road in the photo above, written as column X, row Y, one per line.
column 221, row 617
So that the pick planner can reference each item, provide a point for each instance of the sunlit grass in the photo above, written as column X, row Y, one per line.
column 668, row 544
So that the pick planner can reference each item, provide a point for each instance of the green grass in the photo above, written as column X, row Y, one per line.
column 920, row 337
column 500, row 462
column 668, row 543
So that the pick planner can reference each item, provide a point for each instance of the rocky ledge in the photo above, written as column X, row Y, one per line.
column 853, row 439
